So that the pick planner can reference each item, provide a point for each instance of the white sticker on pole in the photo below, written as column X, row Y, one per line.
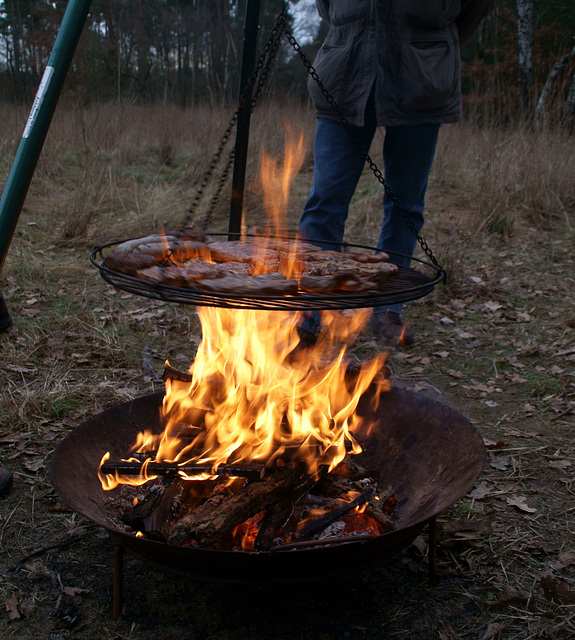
column 48, row 72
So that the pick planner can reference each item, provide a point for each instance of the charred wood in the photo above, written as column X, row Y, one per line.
column 319, row 524
column 251, row 499
column 182, row 529
column 167, row 509
column 252, row 472
column 279, row 512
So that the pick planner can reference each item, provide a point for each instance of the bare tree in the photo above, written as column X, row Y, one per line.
column 525, row 42
column 559, row 64
column 570, row 110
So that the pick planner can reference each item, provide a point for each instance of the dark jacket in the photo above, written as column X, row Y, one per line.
column 410, row 50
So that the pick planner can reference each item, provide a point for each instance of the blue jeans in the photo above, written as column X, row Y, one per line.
column 408, row 153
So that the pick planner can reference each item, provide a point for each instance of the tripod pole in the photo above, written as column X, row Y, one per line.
column 251, row 28
column 39, row 120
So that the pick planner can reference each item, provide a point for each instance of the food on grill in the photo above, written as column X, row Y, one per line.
column 129, row 263
column 346, row 281
column 250, row 267
column 265, row 284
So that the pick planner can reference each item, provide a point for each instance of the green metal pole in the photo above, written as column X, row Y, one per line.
column 39, row 120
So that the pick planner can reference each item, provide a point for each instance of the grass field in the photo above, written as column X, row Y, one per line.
column 497, row 343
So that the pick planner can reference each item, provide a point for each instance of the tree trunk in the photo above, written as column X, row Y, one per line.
column 570, row 109
column 525, row 44
column 559, row 64
column 16, row 35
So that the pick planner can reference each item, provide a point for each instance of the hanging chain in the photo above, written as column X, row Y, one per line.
column 260, row 74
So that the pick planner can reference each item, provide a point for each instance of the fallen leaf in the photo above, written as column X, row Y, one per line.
column 557, row 590
column 491, row 403
column 492, row 306
column 492, row 444
column 559, row 464
column 481, row 491
column 12, row 605
column 521, row 503
column 500, row 464
column 493, row 628
column 20, row 369
column 442, row 354
column 35, row 466
column 508, row 596
column 74, row 591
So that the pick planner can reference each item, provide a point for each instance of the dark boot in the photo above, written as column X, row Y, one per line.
column 5, row 319
column 6, row 481
column 391, row 330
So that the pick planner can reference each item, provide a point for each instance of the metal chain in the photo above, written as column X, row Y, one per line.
column 378, row 174
column 261, row 72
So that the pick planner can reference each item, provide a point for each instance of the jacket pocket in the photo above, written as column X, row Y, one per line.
column 434, row 14
column 429, row 75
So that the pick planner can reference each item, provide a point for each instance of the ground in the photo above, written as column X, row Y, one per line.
column 497, row 343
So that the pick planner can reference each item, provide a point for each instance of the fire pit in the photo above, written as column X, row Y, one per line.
column 257, row 395
column 427, row 451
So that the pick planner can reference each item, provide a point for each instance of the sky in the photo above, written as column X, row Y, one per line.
column 306, row 19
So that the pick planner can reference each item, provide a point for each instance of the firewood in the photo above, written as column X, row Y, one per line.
column 181, row 531
column 279, row 512
column 319, row 524
column 251, row 499
column 172, row 468
column 135, row 518
column 167, row 509
column 382, row 508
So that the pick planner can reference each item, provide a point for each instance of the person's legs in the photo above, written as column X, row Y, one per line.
column 338, row 164
column 408, row 153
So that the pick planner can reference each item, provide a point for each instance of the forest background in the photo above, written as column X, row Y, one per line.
column 520, row 63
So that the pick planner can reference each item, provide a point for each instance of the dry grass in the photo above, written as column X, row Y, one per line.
column 498, row 344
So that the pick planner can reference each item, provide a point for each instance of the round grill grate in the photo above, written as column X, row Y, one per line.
column 408, row 284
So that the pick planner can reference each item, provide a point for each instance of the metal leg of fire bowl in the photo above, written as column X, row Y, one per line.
column 433, row 551
column 118, row 580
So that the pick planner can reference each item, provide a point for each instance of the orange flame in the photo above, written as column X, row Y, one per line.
column 251, row 398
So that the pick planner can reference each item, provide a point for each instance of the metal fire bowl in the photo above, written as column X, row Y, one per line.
column 430, row 454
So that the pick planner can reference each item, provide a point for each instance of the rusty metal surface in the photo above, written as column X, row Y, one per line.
column 430, row 454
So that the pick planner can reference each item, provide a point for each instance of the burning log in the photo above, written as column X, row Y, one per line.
column 381, row 508
column 181, row 530
column 249, row 500
column 252, row 472
column 279, row 512
column 319, row 524
column 171, row 373
column 166, row 511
